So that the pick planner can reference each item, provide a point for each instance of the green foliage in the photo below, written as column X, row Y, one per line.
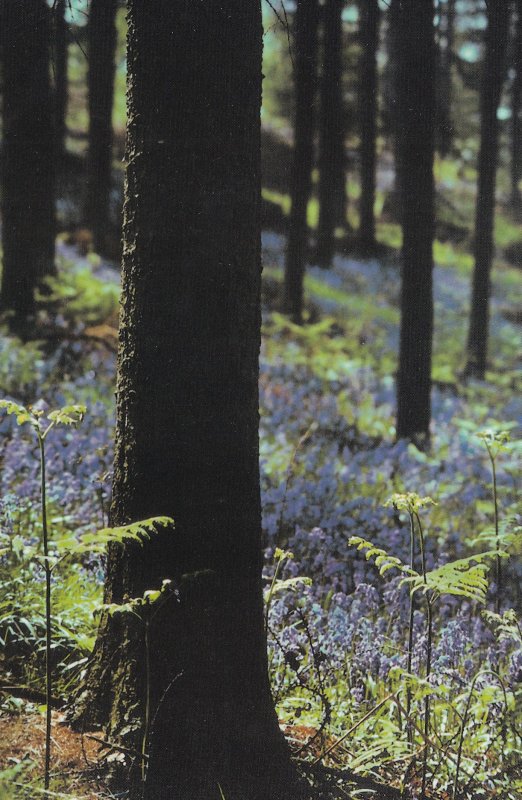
column 383, row 560
column 505, row 626
column 465, row 577
column 136, row 532
column 139, row 606
column 79, row 296
column 68, row 415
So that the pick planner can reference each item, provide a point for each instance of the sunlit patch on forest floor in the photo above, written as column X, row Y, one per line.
column 74, row 756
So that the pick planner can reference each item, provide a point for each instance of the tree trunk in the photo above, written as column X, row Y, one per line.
column 187, row 410
column 493, row 74
column 416, row 97
column 28, row 173
column 392, row 119
column 305, row 50
column 332, row 162
column 445, row 79
column 516, row 125
column 60, row 70
column 101, row 48
column 368, row 103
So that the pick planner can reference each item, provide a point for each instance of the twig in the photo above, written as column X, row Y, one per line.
column 285, row 25
column 113, row 746
column 354, row 727
column 33, row 695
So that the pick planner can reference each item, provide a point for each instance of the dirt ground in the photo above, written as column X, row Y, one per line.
column 74, row 756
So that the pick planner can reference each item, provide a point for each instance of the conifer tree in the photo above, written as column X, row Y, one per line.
column 416, row 99
column 332, row 161
column 305, row 58
column 187, row 413
column 28, row 172
column 493, row 75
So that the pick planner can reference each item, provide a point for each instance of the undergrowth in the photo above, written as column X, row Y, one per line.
column 347, row 647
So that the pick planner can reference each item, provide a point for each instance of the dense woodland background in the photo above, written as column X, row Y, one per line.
column 329, row 606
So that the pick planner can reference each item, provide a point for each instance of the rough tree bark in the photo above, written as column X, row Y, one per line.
column 516, row 111
column 101, row 49
column 416, row 98
column 368, row 103
column 332, row 161
column 60, row 72
column 493, row 74
column 187, row 409
column 305, row 76
column 28, row 172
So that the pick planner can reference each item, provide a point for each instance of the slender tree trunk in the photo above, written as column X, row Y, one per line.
column 60, row 70
column 332, row 162
column 305, row 50
column 28, row 174
column 187, row 409
column 416, row 93
column 101, row 48
column 516, row 112
column 445, row 79
column 391, row 103
column 368, row 102
column 493, row 74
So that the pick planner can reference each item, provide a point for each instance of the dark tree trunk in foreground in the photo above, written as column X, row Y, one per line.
column 101, row 50
column 60, row 71
column 187, row 410
column 28, row 177
column 493, row 73
column 305, row 50
column 331, row 135
column 445, row 79
column 368, row 102
column 516, row 113
column 416, row 93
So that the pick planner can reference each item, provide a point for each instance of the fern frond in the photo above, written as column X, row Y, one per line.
column 138, row 532
column 383, row 560
column 465, row 577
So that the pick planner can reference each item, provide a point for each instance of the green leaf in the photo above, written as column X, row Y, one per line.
column 289, row 584
column 409, row 501
column 68, row 415
column 21, row 413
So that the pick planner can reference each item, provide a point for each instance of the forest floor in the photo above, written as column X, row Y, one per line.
column 329, row 461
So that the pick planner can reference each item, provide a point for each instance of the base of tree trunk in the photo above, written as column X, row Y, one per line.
column 234, row 753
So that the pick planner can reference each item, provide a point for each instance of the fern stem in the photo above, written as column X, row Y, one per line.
column 465, row 719
column 429, row 617
column 410, row 634
column 146, row 721
column 497, row 537
column 271, row 590
column 48, row 613
column 429, row 621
